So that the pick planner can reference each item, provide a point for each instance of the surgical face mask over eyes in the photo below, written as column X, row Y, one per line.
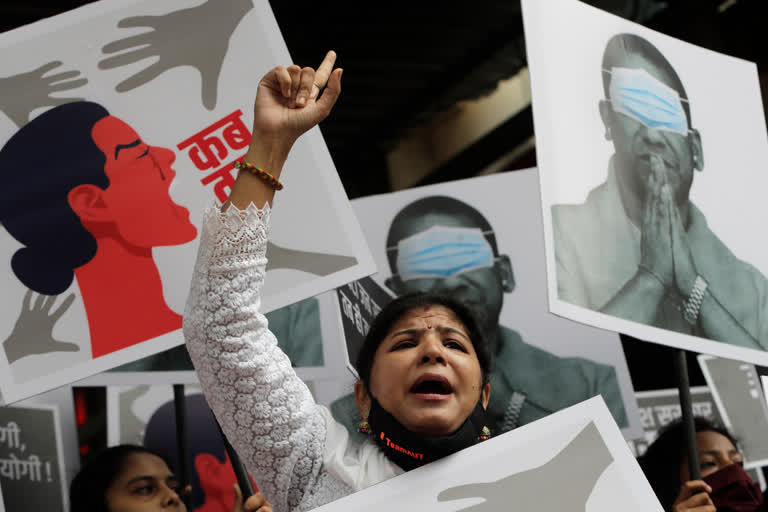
column 637, row 94
column 443, row 251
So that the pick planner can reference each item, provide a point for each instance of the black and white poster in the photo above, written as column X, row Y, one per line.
column 148, row 113
column 738, row 393
column 31, row 459
column 479, row 240
column 652, row 178
column 660, row 407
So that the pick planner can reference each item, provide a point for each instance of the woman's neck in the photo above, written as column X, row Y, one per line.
column 123, row 297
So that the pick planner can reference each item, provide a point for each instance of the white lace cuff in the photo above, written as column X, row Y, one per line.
column 235, row 239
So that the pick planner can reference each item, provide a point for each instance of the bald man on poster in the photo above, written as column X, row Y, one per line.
column 528, row 382
column 638, row 248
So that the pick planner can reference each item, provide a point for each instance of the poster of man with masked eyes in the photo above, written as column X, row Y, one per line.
column 111, row 146
column 458, row 239
column 653, row 160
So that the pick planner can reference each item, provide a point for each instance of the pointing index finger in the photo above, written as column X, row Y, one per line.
column 323, row 73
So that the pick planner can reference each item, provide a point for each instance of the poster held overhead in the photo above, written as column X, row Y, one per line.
column 124, row 163
column 641, row 166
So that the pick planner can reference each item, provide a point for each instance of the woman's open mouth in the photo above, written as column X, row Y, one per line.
column 431, row 387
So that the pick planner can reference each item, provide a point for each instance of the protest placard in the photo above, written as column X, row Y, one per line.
column 642, row 166
column 737, row 391
column 578, row 450
column 156, row 143
column 660, row 407
column 31, row 459
column 479, row 241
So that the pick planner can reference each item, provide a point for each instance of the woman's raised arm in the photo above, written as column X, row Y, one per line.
column 265, row 410
column 287, row 104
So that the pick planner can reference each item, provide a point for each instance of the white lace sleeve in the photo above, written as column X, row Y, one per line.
column 265, row 410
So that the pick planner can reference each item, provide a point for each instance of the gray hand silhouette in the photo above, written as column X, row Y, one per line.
column 33, row 332
column 131, row 426
column 564, row 483
column 197, row 36
column 317, row 263
column 21, row 94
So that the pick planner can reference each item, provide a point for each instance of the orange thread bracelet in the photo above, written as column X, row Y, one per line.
column 259, row 173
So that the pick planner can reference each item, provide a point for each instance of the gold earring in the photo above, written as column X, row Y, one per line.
column 364, row 427
column 485, row 434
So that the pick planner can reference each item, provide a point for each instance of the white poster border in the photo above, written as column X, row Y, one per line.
column 310, row 143
column 423, row 479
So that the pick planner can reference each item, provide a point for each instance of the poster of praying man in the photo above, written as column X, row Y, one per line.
column 111, row 147
column 653, row 177
column 31, row 460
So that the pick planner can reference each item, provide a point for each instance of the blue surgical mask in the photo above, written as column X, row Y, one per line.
column 637, row 94
column 443, row 251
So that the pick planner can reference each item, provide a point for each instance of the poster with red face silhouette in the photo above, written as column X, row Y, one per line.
column 145, row 415
column 111, row 146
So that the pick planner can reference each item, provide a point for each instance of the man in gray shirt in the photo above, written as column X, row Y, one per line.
column 527, row 383
column 638, row 248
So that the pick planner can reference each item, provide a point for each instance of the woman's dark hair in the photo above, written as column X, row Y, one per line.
column 396, row 309
column 203, row 437
column 39, row 165
column 88, row 490
column 661, row 461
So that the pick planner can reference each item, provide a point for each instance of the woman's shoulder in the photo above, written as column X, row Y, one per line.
column 357, row 465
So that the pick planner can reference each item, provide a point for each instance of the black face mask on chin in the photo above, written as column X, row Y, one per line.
column 410, row 450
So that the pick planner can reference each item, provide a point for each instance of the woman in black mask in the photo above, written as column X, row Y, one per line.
column 724, row 487
column 423, row 385
column 424, row 366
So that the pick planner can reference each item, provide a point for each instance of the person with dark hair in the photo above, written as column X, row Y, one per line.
column 724, row 487
column 427, row 381
column 89, row 199
column 638, row 248
column 128, row 478
column 125, row 478
column 213, row 477
column 464, row 262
